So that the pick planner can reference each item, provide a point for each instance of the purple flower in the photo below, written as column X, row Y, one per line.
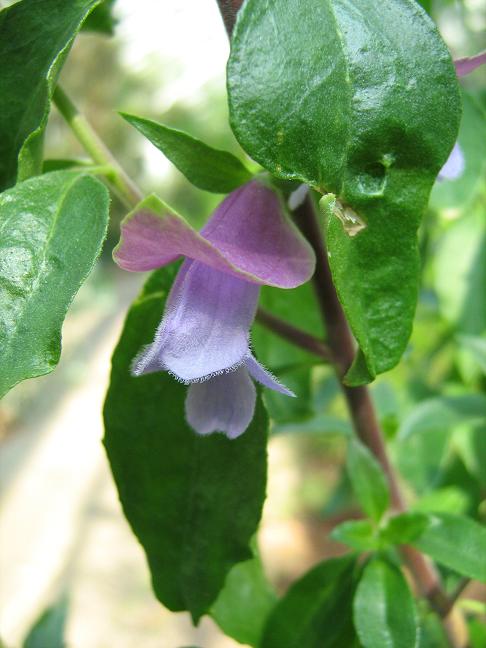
column 203, row 338
column 455, row 165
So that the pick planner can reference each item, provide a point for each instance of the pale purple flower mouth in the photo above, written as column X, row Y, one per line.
column 203, row 338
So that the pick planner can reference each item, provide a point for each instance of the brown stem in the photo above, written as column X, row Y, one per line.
column 229, row 9
column 297, row 336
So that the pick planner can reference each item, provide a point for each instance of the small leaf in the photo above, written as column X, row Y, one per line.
column 368, row 480
column 35, row 38
column 207, row 168
column 358, row 534
column 316, row 611
column 384, row 609
column 244, row 603
column 344, row 96
column 193, row 502
column 51, row 231
column 456, row 541
column 403, row 528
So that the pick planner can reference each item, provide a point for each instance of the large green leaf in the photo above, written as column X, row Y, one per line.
column 456, row 541
column 359, row 99
column 51, row 231
column 317, row 609
column 368, row 480
column 193, row 502
column 35, row 38
column 207, row 168
column 384, row 609
column 244, row 604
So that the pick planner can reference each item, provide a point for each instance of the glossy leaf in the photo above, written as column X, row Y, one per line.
column 456, row 541
column 367, row 479
column 244, row 604
column 384, row 609
column 193, row 502
column 207, row 168
column 345, row 97
column 35, row 38
column 51, row 231
column 316, row 611
column 358, row 534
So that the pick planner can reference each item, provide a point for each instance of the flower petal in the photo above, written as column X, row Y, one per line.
column 455, row 165
column 224, row 403
column 469, row 64
column 264, row 377
column 204, row 330
column 248, row 236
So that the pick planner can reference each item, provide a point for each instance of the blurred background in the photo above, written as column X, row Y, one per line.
column 64, row 544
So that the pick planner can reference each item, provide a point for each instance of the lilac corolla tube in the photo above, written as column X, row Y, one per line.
column 203, row 338
column 455, row 164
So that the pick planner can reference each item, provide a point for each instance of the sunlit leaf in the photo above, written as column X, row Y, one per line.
column 456, row 541
column 207, row 168
column 51, row 231
column 384, row 609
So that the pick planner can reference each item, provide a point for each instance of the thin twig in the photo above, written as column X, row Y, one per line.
column 96, row 148
column 293, row 334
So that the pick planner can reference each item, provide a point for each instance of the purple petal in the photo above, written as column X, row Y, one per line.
column 264, row 377
column 469, row 64
column 224, row 403
column 455, row 165
column 205, row 327
column 251, row 229
column 248, row 237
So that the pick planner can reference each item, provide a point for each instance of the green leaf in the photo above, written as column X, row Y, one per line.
column 384, row 609
column 193, row 502
column 207, row 168
column 244, row 604
column 477, row 347
column 472, row 140
column 101, row 19
column 449, row 499
column 35, row 38
column 457, row 542
column 345, row 97
column 423, row 442
column 358, row 534
column 403, row 528
column 317, row 609
column 48, row 630
column 460, row 273
column 51, row 231
column 290, row 363
column 367, row 479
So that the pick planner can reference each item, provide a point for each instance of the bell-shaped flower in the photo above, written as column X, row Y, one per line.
column 203, row 338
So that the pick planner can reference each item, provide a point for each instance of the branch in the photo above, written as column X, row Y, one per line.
column 229, row 9
column 295, row 335
column 96, row 148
